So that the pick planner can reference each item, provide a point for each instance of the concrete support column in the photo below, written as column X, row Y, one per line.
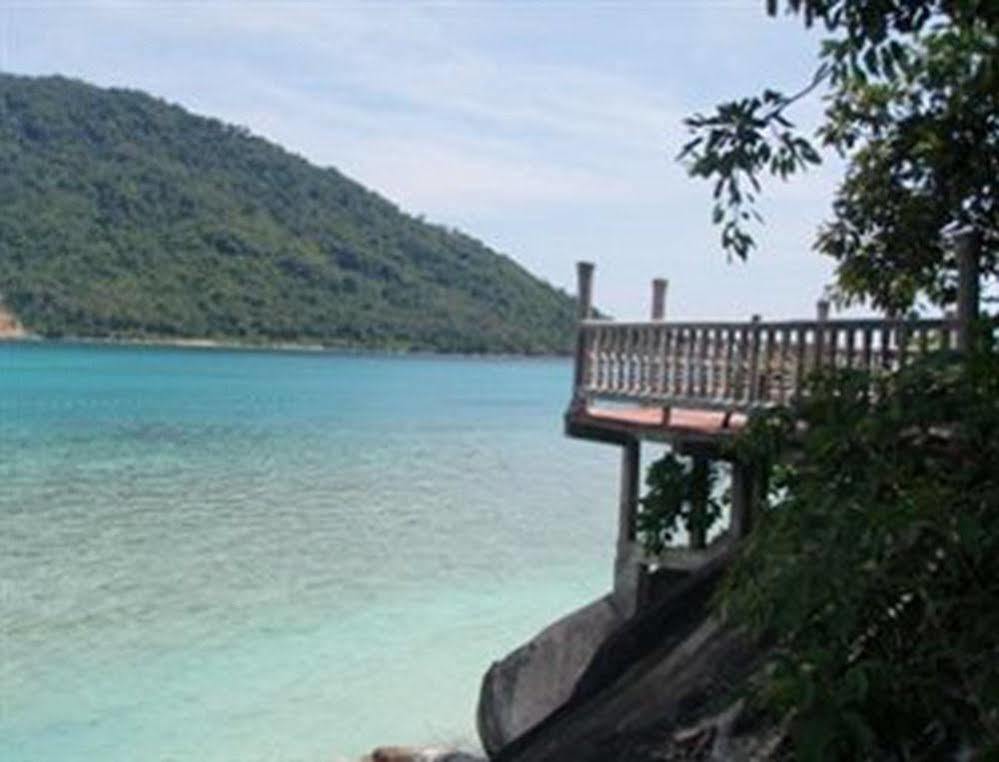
column 698, row 537
column 741, row 521
column 628, row 559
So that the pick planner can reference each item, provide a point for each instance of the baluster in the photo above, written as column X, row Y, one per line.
column 902, row 341
column 714, row 363
column 717, row 362
column 594, row 378
column 609, row 338
column 641, row 360
column 624, row 365
column 697, row 378
column 819, row 346
column 604, row 359
column 651, row 345
column 629, row 379
column 741, row 366
column 589, row 345
column 651, row 357
column 613, row 363
column 638, row 387
column 868, row 347
column 607, row 345
column 718, row 388
column 641, row 357
column 675, row 362
column 589, row 357
column 800, row 372
column 702, row 364
column 783, row 371
column 666, row 380
column 754, row 361
column 656, row 361
column 638, row 361
column 620, row 368
column 850, row 337
column 681, row 360
column 724, row 363
column 886, row 347
column 728, row 377
column 622, row 361
column 707, row 372
column 648, row 360
column 767, row 379
column 688, row 374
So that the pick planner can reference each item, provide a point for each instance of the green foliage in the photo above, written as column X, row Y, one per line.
column 875, row 563
column 912, row 102
column 681, row 495
column 123, row 216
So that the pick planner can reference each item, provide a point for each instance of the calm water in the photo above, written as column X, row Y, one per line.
column 213, row 555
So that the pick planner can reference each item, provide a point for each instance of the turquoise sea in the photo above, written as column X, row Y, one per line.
column 221, row 555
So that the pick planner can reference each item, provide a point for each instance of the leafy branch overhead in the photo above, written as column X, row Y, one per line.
column 744, row 138
column 911, row 93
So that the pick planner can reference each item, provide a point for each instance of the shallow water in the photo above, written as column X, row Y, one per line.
column 235, row 555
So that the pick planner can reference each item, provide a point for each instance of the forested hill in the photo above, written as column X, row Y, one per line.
column 124, row 216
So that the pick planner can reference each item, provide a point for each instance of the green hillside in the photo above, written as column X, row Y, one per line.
column 124, row 216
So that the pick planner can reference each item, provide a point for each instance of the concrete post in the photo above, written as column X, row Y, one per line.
column 822, row 315
column 584, row 307
column 967, row 244
column 584, row 289
column 822, row 310
column 659, row 288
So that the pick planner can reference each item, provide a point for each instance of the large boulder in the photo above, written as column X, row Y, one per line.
column 530, row 683
column 664, row 671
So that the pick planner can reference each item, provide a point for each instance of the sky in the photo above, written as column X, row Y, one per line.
column 548, row 130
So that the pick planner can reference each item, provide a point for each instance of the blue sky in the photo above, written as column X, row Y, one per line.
column 547, row 130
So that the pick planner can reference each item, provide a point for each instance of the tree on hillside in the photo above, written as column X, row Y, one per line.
column 911, row 91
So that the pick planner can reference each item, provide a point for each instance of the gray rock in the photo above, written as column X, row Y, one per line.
column 530, row 683
column 419, row 754
column 652, row 690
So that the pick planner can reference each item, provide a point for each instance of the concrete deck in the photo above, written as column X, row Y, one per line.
column 680, row 426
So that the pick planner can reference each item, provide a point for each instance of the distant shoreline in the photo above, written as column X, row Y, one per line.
column 290, row 347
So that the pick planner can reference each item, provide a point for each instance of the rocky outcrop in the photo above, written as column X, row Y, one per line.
column 530, row 683
column 10, row 328
column 666, row 669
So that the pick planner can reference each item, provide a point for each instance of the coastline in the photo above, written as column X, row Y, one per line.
column 25, row 337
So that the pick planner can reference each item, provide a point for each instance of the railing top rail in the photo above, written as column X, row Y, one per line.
column 855, row 323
